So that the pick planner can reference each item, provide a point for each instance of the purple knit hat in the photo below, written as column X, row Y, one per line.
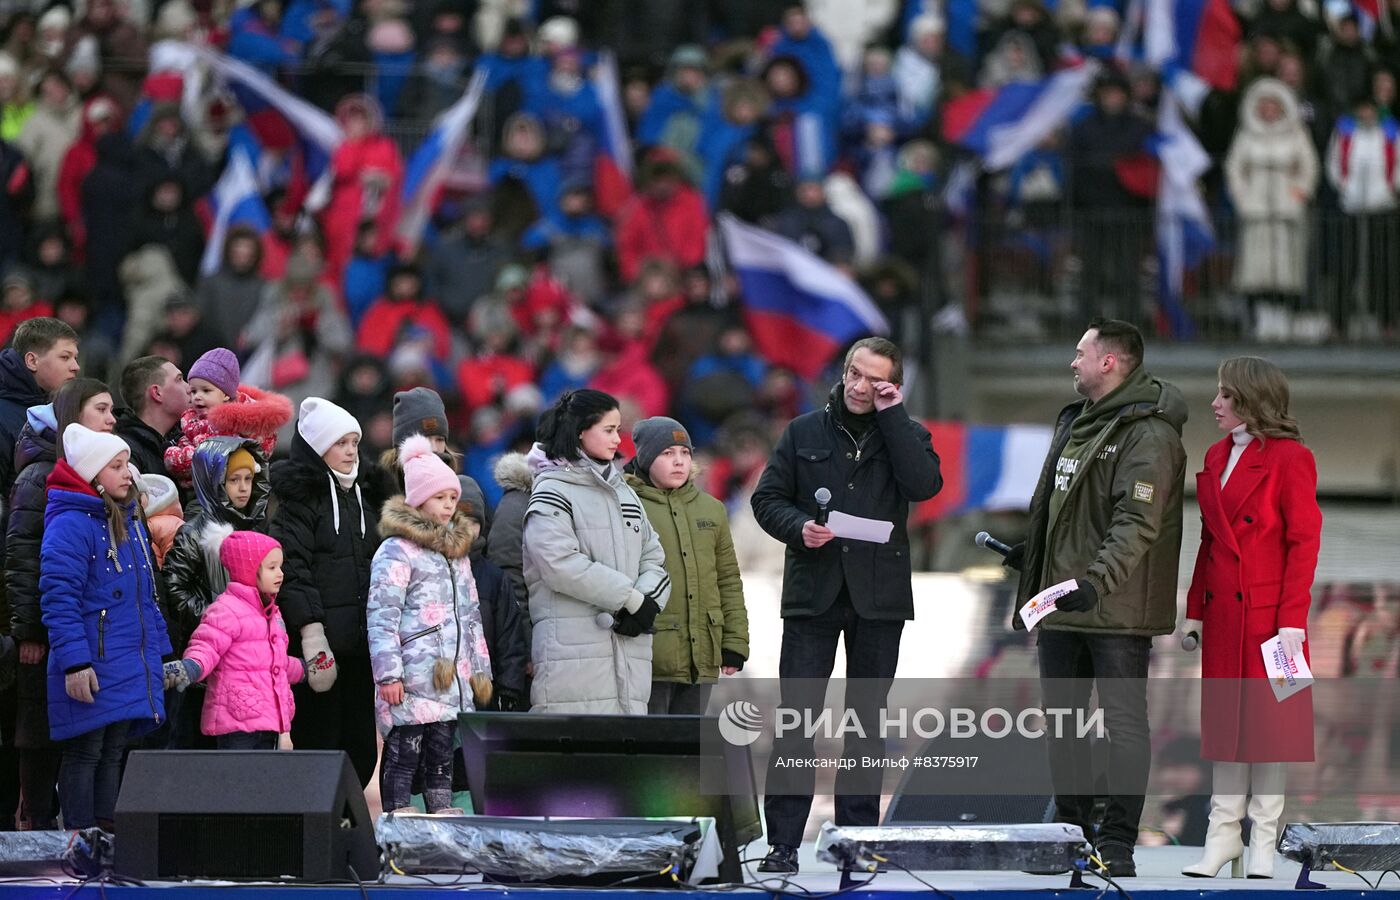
column 219, row 367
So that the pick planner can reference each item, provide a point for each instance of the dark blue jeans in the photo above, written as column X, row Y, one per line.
column 1071, row 665
column 91, row 775
column 404, row 748
column 247, row 740
column 805, row 666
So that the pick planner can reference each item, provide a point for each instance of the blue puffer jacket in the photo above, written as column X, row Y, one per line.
column 100, row 610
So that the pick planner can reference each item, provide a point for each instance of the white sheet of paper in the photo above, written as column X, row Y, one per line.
column 1287, row 674
column 1043, row 604
column 854, row 528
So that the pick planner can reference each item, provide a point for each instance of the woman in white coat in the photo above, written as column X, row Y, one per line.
column 1272, row 173
column 593, row 565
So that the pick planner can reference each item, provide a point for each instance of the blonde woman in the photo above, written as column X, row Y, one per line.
column 1253, row 580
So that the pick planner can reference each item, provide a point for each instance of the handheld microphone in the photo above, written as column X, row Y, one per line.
column 823, row 497
column 604, row 621
column 1190, row 640
column 988, row 542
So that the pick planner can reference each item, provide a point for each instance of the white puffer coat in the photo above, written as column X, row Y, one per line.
column 587, row 547
column 1272, row 172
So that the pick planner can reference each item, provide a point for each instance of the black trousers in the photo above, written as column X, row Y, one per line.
column 808, row 657
column 343, row 717
column 1071, row 665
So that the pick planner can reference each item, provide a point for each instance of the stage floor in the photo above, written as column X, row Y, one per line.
column 1159, row 879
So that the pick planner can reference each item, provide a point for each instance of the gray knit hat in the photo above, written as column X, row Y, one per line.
column 419, row 411
column 472, row 494
column 652, row 437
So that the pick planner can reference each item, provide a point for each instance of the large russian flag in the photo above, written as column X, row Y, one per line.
column 434, row 158
column 985, row 467
column 1002, row 125
column 800, row 309
column 282, row 120
column 1200, row 35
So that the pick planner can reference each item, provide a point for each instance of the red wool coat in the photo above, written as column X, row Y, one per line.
column 1254, row 573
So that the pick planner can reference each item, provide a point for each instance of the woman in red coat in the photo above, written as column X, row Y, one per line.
column 1261, row 529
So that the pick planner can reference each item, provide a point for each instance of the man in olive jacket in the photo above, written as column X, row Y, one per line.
column 875, row 461
column 1106, row 513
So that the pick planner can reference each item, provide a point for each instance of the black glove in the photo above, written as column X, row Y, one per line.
column 1015, row 557
column 626, row 624
column 1081, row 599
column 507, row 700
column 730, row 660
column 646, row 614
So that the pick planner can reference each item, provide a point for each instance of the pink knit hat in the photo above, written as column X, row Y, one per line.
column 423, row 473
column 243, row 552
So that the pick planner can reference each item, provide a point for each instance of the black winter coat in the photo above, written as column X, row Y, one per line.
column 35, row 455
column 147, row 447
column 109, row 193
column 891, row 466
column 506, row 636
column 328, row 557
column 191, row 583
column 18, row 392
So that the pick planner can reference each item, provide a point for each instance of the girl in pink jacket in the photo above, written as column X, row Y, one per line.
column 240, row 646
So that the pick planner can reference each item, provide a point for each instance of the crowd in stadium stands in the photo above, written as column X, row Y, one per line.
column 544, row 268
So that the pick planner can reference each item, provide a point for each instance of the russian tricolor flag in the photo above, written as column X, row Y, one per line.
column 280, row 119
column 612, row 169
column 1002, row 125
column 800, row 309
column 985, row 467
column 1184, row 232
column 432, row 161
column 1202, row 36
column 237, row 200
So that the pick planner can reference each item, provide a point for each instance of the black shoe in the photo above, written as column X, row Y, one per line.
column 1118, row 858
column 781, row 859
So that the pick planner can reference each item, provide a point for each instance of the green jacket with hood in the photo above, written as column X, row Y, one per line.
column 706, row 614
column 1119, row 525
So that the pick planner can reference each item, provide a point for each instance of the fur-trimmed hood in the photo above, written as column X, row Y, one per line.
column 513, row 473
column 253, row 413
column 453, row 540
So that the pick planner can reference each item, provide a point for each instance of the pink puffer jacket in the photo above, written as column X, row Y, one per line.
column 241, row 649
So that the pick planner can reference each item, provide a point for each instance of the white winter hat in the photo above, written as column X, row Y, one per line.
column 57, row 17
column 8, row 65
column 88, row 451
column 160, row 492
column 560, row 30
column 321, row 423
column 927, row 23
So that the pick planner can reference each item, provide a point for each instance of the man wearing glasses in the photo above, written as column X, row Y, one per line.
column 875, row 461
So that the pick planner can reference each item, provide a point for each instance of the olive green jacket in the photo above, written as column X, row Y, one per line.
column 1120, row 526
column 706, row 613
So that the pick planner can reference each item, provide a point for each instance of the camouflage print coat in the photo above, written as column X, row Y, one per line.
column 422, row 608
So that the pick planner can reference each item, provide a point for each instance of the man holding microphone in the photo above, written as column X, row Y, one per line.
column 874, row 460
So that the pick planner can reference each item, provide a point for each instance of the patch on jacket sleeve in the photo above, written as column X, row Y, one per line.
column 1143, row 491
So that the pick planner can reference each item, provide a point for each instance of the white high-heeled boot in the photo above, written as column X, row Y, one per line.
column 1266, row 802
column 1227, row 807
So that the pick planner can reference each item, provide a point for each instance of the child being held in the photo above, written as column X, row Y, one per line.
column 240, row 646
column 219, row 405
column 427, row 644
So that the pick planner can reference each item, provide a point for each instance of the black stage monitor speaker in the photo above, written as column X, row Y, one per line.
column 608, row 767
column 932, row 796
column 252, row 815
